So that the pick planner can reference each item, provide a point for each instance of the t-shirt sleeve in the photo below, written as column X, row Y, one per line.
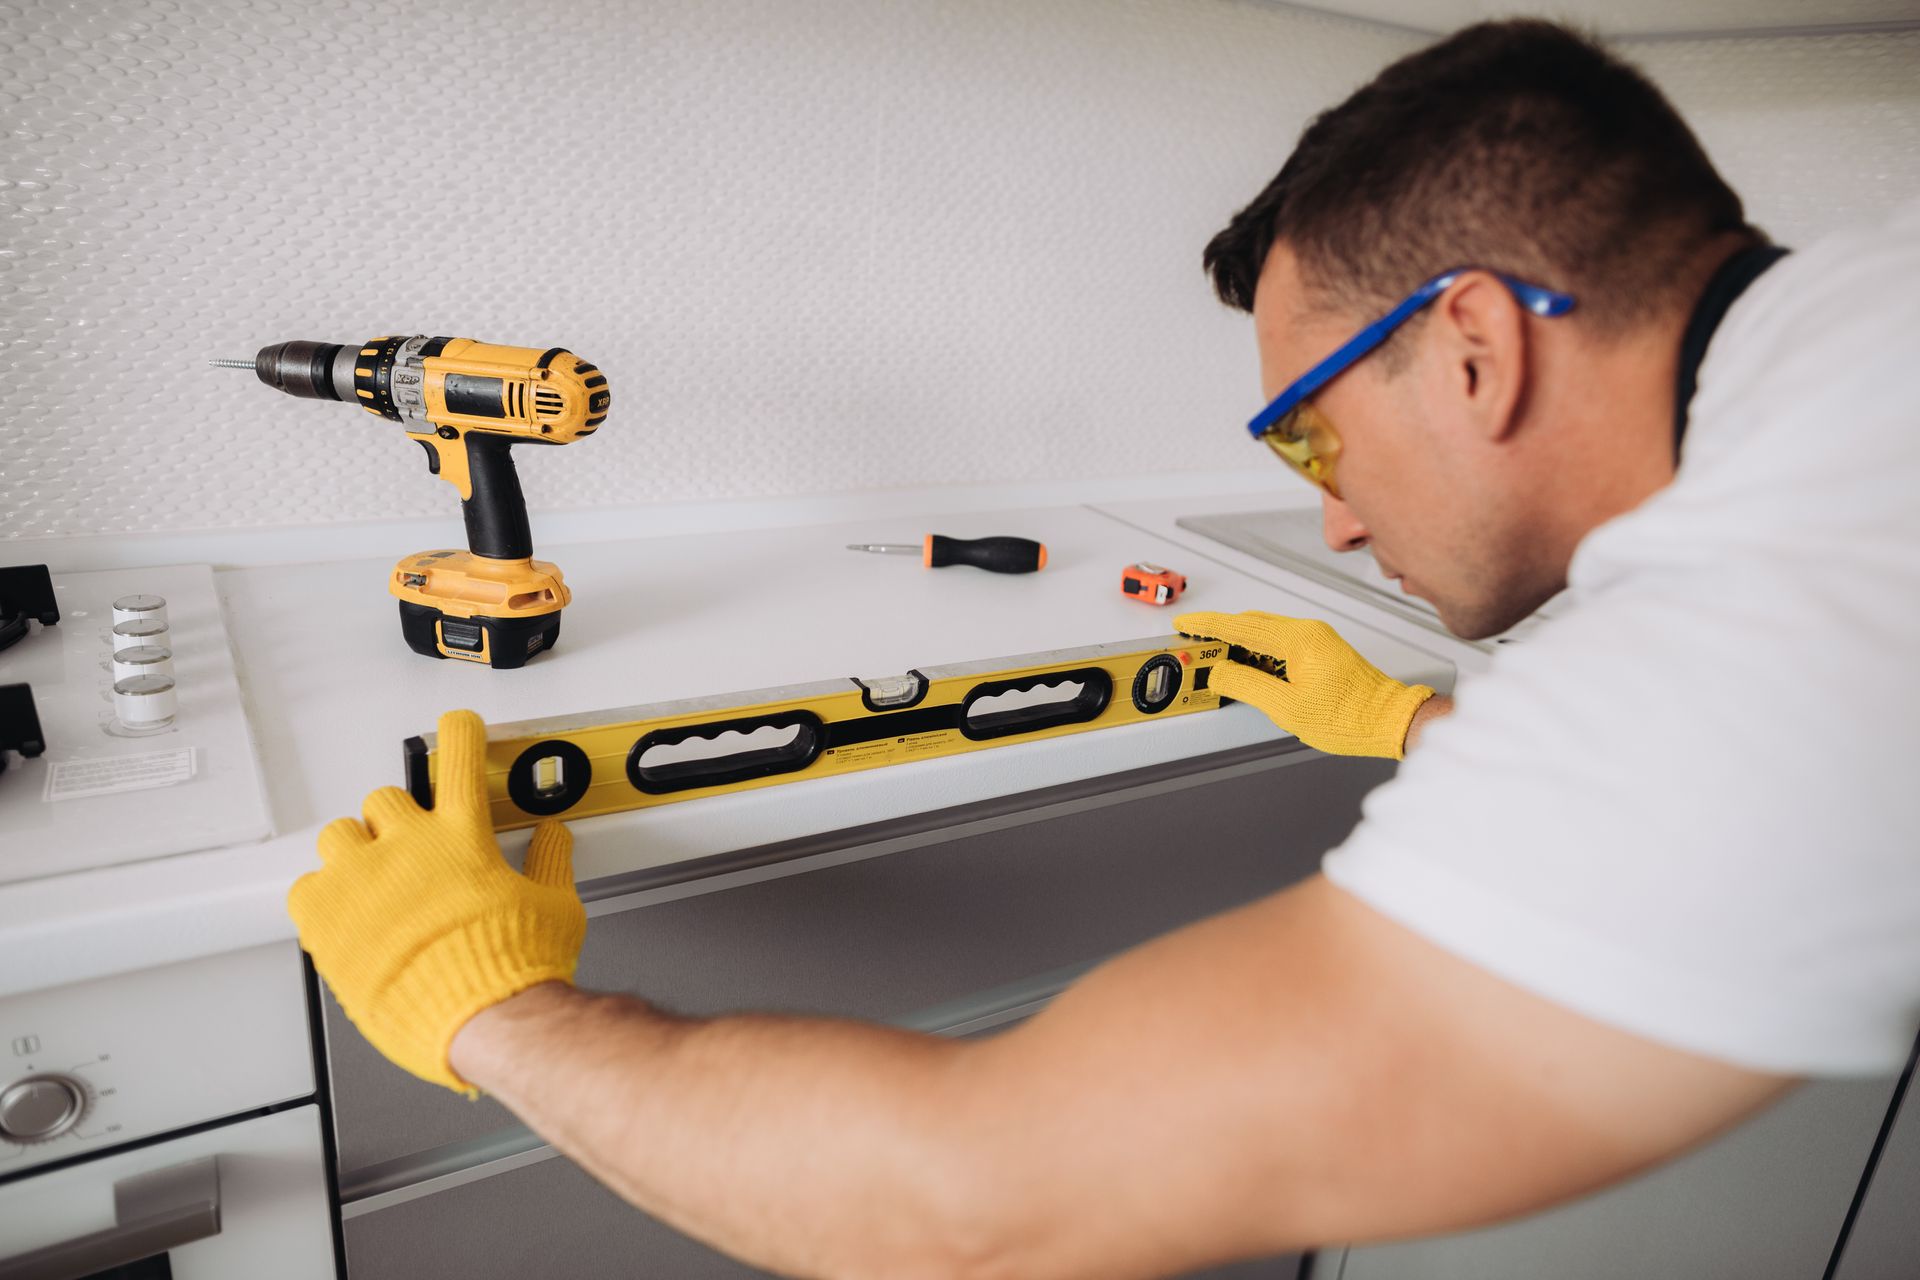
column 1648, row 817
column 1689, row 807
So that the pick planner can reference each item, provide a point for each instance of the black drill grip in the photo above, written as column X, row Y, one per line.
column 496, row 514
column 999, row 555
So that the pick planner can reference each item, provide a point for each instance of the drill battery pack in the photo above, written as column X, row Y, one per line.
column 495, row 612
column 501, row 643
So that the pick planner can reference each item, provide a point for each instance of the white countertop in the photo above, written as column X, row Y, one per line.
column 724, row 601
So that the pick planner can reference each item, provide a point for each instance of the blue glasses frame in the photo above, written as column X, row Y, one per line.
column 1535, row 298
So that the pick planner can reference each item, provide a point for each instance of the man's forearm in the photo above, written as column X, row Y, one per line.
column 1432, row 709
column 812, row 1146
column 1179, row 1106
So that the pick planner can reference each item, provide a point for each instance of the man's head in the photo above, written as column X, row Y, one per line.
column 1470, row 444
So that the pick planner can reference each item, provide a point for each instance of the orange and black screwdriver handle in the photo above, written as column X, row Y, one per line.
column 998, row 555
column 466, row 404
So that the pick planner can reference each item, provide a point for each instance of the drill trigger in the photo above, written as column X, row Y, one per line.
column 433, row 455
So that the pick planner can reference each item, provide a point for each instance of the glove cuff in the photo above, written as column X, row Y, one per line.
column 1398, row 712
column 460, row 973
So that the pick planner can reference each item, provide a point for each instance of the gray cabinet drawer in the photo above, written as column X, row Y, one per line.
column 1051, row 882
column 1763, row 1202
column 551, row 1219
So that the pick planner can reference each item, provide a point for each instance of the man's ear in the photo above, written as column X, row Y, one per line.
column 1482, row 332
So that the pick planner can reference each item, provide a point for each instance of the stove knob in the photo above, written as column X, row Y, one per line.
column 40, row 1107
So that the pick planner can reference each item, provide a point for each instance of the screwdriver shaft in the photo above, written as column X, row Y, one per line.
column 887, row 548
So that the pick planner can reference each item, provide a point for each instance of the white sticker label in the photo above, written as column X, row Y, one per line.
column 74, row 779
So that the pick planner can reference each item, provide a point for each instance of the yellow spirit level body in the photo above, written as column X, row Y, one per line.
column 636, row 757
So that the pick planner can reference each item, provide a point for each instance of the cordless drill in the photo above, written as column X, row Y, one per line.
column 467, row 404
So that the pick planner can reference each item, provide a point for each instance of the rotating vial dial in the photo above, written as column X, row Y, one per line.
column 145, row 702
column 148, row 631
column 140, row 608
column 142, row 660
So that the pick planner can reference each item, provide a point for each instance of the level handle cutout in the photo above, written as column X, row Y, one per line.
column 1002, row 708
column 724, row 751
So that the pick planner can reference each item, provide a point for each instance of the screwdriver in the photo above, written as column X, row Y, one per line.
column 999, row 555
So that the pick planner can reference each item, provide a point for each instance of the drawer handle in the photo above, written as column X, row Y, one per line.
column 153, row 1212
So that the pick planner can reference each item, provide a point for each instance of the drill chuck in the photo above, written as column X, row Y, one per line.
column 310, row 370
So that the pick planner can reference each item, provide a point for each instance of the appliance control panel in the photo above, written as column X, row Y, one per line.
column 147, row 748
column 91, row 1065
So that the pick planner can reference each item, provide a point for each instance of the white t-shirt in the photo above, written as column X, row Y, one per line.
column 1689, row 806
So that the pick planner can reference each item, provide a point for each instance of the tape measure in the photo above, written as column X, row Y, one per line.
column 637, row 757
column 1151, row 583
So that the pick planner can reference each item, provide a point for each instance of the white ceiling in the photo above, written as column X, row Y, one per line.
column 1640, row 17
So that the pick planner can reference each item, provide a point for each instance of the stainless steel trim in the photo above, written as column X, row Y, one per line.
column 153, row 1212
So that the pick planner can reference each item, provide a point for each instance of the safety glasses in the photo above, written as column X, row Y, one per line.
column 1302, row 436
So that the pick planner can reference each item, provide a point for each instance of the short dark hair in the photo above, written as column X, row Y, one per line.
column 1522, row 146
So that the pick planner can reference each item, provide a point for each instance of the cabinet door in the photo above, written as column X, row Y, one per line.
column 253, row 1196
column 973, row 908
column 1764, row 1202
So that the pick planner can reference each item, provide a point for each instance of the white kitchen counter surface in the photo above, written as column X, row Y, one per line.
column 332, row 691
column 1159, row 516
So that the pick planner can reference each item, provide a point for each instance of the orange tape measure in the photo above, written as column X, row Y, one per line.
column 1151, row 584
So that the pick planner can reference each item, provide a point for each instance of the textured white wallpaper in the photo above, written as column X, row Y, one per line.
column 831, row 245
column 1814, row 132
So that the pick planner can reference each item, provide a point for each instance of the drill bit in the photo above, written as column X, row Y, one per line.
column 231, row 364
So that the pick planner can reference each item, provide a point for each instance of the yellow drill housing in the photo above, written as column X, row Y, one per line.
column 466, row 404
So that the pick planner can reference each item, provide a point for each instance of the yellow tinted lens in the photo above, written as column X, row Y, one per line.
column 1306, row 441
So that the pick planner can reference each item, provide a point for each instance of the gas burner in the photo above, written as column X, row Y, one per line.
column 26, row 591
column 19, row 723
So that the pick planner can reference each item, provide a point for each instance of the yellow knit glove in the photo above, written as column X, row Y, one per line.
column 1319, row 689
column 417, row 922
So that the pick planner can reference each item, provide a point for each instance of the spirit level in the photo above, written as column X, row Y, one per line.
column 636, row 757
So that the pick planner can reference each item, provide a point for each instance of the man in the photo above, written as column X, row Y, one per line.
column 1658, row 866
